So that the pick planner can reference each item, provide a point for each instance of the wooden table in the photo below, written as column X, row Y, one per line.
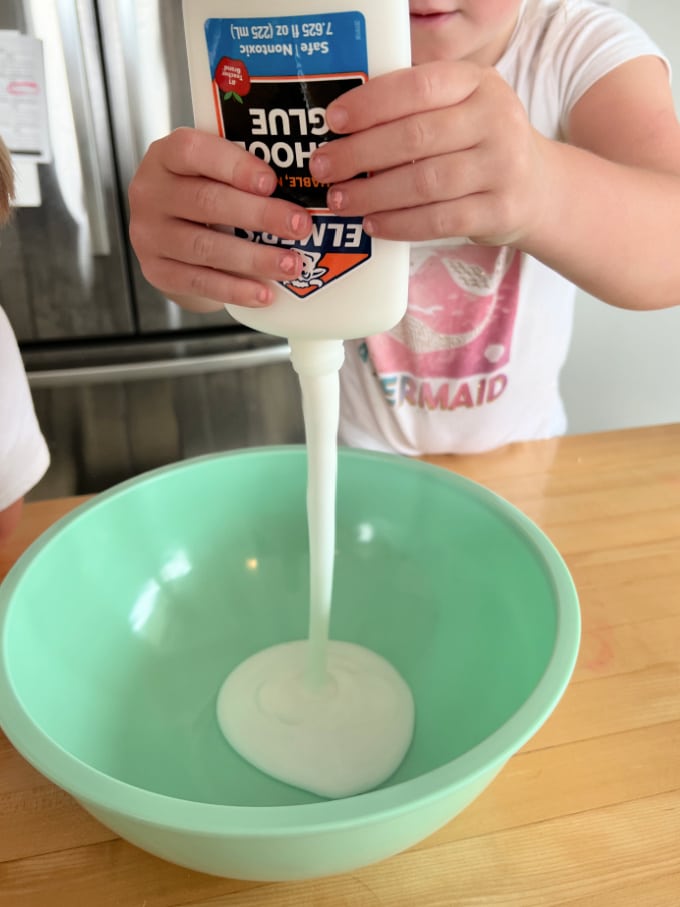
column 588, row 813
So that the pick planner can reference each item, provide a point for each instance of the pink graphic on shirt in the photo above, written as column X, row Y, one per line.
column 461, row 314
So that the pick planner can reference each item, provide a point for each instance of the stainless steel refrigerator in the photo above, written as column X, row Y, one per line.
column 123, row 380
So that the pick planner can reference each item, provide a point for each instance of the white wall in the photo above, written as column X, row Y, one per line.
column 624, row 367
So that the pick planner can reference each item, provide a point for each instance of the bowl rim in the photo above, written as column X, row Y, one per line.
column 95, row 789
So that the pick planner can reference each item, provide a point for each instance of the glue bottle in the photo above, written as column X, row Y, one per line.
column 262, row 75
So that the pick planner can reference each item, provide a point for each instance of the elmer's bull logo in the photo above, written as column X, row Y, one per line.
column 283, row 121
column 333, row 248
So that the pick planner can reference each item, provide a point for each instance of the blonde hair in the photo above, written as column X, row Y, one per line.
column 6, row 183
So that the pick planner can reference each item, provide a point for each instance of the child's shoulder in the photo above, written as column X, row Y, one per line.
column 560, row 49
column 565, row 45
column 561, row 22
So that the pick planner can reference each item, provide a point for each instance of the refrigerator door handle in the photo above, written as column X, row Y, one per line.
column 81, row 55
column 122, row 63
column 162, row 368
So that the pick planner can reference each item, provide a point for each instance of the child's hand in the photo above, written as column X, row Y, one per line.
column 450, row 150
column 190, row 180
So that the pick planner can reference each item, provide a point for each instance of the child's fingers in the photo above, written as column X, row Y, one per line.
column 192, row 244
column 189, row 152
column 437, row 179
column 463, row 217
column 407, row 140
column 207, row 289
column 402, row 93
column 176, row 254
column 207, row 201
column 219, row 268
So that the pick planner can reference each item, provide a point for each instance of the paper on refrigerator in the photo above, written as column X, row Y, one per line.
column 23, row 108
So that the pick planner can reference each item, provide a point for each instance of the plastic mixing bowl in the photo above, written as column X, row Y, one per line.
column 120, row 623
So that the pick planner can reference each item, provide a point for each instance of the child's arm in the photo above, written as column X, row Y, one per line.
column 621, row 192
column 11, row 514
column 453, row 154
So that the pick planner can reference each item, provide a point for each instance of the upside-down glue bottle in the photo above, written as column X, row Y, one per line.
column 262, row 75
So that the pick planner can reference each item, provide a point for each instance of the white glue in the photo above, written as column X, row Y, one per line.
column 327, row 716
column 338, row 739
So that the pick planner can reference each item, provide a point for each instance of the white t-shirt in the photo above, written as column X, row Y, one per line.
column 475, row 363
column 24, row 456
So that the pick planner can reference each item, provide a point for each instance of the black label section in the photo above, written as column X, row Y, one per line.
column 283, row 123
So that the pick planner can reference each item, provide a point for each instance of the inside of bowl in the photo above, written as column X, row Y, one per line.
column 123, row 625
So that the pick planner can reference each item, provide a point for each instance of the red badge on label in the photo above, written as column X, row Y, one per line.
column 232, row 79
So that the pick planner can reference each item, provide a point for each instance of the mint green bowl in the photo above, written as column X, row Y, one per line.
column 120, row 623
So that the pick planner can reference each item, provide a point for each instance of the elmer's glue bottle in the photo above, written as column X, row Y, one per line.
column 262, row 75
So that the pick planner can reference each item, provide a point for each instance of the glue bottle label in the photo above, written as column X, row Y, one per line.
column 272, row 80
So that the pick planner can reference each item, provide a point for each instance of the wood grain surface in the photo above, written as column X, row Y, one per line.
column 587, row 814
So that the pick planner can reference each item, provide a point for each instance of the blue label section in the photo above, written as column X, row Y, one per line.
column 291, row 45
column 272, row 82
